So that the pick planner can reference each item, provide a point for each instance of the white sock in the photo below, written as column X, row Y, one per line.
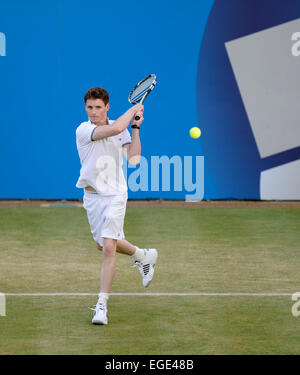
column 103, row 298
column 139, row 254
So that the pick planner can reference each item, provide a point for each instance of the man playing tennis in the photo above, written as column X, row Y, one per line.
column 100, row 143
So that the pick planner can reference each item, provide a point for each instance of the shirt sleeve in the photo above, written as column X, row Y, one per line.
column 84, row 133
column 126, row 138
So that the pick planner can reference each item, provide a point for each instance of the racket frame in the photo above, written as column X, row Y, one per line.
column 151, row 87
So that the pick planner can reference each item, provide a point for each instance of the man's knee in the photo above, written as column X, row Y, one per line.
column 110, row 248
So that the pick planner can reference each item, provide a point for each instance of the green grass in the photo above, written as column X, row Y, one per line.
column 228, row 250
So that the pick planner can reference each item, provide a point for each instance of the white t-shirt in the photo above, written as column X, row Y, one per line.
column 101, row 160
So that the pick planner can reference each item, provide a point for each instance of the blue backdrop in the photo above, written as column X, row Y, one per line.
column 56, row 50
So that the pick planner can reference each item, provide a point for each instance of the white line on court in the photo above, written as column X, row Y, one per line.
column 151, row 294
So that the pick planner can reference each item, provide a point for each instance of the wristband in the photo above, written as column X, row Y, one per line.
column 135, row 127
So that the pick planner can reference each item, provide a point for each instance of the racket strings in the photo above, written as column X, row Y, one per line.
column 138, row 95
column 142, row 89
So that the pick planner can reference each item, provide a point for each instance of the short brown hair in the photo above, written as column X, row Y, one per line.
column 97, row 93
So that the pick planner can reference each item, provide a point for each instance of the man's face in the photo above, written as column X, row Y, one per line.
column 97, row 111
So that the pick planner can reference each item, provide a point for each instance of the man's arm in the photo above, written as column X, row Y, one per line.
column 132, row 151
column 119, row 125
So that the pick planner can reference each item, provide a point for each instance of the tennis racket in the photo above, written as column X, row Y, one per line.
column 142, row 90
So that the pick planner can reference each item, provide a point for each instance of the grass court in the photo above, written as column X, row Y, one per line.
column 222, row 285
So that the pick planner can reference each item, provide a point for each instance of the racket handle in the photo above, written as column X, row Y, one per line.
column 137, row 117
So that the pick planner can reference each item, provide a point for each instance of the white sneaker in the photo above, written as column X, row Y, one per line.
column 100, row 314
column 146, row 266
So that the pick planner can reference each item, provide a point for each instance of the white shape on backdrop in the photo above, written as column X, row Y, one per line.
column 268, row 77
column 281, row 183
column 266, row 66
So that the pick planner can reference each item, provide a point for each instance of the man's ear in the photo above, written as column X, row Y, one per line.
column 107, row 106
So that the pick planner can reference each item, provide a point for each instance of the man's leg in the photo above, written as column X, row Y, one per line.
column 125, row 247
column 144, row 259
column 108, row 270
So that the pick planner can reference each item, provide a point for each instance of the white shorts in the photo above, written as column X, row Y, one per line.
column 105, row 215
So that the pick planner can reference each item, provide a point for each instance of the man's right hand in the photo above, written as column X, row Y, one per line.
column 137, row 108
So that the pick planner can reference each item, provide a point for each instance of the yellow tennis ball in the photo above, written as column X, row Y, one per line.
column 195, row 132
